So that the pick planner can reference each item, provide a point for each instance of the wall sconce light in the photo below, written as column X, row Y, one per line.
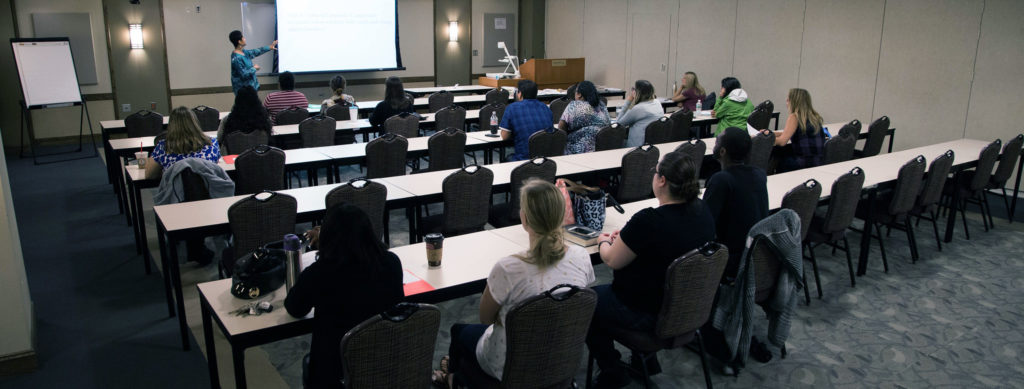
column 453, row 31
column 135, row 35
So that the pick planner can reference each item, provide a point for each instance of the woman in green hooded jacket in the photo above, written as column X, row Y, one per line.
column 733, row 107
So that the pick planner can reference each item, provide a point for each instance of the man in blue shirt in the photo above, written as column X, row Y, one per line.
column 243, row 71
column 523, row 118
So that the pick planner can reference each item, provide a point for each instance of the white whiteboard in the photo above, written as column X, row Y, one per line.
column 258, row 21
column 47, row 72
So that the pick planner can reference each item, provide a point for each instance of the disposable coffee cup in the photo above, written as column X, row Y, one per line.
column 141, row 157
column 434, row 243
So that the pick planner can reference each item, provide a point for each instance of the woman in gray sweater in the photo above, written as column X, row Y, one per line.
column 641, row 108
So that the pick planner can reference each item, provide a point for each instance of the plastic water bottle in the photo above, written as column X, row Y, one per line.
column 353, row 112
column 494, row 122
column 294, row 260
column 698, row 105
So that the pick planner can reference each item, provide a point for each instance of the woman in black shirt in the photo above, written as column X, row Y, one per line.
column 395, row 102
column 640, row 254
column 354, row 278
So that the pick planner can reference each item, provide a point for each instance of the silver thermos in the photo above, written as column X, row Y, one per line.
column 293, row 253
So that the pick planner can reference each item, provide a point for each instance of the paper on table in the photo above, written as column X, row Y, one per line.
column 414, row 285
column 751, row 130
column 230, row 159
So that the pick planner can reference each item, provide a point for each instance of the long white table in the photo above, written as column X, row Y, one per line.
column 469, row 258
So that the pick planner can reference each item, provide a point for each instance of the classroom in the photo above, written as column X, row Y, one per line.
column 100, row 286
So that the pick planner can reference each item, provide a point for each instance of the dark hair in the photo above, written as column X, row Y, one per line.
column 736, row 143
column 347, row 238
column 234, row 37
column 730, row 83
column 644, row 91
column 588, row 91
column 679, row 172
column 248, row 113
column 527, row 88
column 570, row 92
column 394, row 92
column 338, row 84
column 286, row 80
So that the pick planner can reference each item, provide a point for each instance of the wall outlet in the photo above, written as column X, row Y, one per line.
column 475, row 53
column 126, row 107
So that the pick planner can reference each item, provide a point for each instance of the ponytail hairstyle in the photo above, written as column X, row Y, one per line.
column 800, row 105
column 681, row 176
column 644, row 92
column 588, row 92
column 338, row 85
column 543, row 209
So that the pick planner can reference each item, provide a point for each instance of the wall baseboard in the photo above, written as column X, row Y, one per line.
column 19, row 363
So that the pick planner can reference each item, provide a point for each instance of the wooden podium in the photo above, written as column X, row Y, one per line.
column 553, row 73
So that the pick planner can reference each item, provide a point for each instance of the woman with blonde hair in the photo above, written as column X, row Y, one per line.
column 689, row 92
column 184, row 140
column 640, row 109
column 547, row 263
column 803, row 130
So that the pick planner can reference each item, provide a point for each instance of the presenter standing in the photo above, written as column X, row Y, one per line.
column 243, row 71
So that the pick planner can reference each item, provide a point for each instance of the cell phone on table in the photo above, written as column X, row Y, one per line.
column 584, row 231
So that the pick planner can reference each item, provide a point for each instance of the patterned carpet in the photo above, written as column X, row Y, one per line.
column 952, row 320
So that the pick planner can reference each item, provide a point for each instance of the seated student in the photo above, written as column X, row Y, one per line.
column 803, row 129
column 582, row 118
column 523, row 118
column 548, row 262
column 737, row 195
column 247, row 115
column 338, row 88
column 354, row 278
column 395, row 102
column 689, row 92
column 286, row 98
column 185, row 140
column 640, row 254
column 732, row 107
column 640, row 109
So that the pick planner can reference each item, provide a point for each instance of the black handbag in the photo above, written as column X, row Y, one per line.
column 259, row 272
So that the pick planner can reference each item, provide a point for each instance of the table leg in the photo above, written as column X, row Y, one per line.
column 1016, row 187
column 211, row 349
column 412, row 213
column 892, row 134
column 132, row 216
column 140, row 222
column 953, row 207
column 865, row 239
column 121, row 192
column 160, row 237
column 238, row 357
column 172, row 262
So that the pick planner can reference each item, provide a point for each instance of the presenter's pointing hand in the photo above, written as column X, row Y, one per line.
column 273, row 46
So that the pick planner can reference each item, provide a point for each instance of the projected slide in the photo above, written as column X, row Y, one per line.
column 332, row 35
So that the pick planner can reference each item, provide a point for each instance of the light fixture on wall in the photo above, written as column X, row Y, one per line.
column 135, row 35
column 453, row 31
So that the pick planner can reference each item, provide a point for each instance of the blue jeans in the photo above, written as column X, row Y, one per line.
column 609, row 314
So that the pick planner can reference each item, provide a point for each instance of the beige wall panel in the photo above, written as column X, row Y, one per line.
column 927, row 57
column 652, row 43
column 94, row 8
column 480, row 7
column 198, row 50
column 705, row 41
column 995, row 110
column 563, row 37
column 767, row 59
column 604, row 41
column 839, row 60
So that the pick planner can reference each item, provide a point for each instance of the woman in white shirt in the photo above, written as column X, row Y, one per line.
column 640, row 109
column 548, row 262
